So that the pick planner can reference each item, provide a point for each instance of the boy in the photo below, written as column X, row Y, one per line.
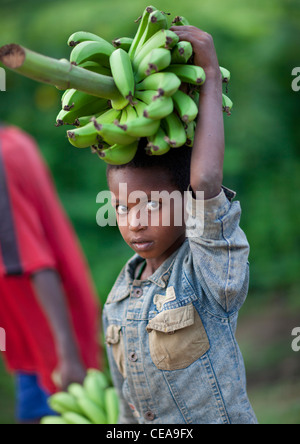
column 171, row 316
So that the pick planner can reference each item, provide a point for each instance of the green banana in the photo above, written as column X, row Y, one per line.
column 92, row 411
column 141, row 29
column 87, row 135
column 123, row 43
column 188, row 73
column 92, row 52
column 64, row 402
column 181, row 53
column 101, row 377
column 49, row 420
column 119, row 155
column 66, row 93
column 194, row 94
column 159, row 108
column 76, row 390
column 225, row 74
column 94, row 384
column 75, row 100
column 83, row 36
column 70, row 117
column 121, row 68
column 162, row 39
column 180, row 21
column 123, row 117
column 131, row 113
column 157, row 145
column 165, row 83
column 84, row 120
column 141, row 127
column 185, row 105
column 190, row 133
column 74, row 418
column 119, row 103
column 112, row 405
column 140, row 106
column 76, row 104
column 175, row 132
column 156, row 22
column 157, row 60
column 227, row 104
column 96, row 67
column 112, row 134
column 146, row 96
column 100, row 146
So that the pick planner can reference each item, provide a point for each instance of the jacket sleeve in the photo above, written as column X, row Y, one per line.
column 219, row 248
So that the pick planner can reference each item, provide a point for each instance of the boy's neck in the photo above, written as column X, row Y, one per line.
column 153, row 264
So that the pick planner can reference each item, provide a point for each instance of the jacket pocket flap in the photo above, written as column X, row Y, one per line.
column 113, row 334
column 169, row 321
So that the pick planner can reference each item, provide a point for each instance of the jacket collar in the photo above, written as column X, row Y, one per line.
column 126, row 279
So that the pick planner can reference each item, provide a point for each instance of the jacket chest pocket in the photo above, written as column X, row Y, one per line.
column 114, row 339
column 177, row 338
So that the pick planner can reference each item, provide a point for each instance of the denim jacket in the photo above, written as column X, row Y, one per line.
column 170, row 339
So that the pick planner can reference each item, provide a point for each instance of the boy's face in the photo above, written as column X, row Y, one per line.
column 153, row 226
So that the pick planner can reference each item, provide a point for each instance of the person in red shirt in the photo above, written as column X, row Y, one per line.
column 49, row 309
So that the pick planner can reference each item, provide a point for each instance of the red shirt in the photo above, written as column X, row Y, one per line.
column 35, row 234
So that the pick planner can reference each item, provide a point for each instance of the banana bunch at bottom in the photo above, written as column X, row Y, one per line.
column 94, row 402
column 159, row 91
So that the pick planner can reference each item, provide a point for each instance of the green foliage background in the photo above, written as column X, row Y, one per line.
column 258, row 42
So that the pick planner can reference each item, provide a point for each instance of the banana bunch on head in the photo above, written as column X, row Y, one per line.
column 158, row 86
column 94, row 402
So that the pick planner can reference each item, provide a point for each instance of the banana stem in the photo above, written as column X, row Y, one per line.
column 60, row 73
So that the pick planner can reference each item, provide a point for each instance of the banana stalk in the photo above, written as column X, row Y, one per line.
column 60, row 73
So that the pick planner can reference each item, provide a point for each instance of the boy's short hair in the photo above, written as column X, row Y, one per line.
column 177, row 162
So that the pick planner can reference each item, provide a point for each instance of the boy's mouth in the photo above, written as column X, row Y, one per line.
column 142, row 245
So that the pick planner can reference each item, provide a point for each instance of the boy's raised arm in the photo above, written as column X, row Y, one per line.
column 208, row 150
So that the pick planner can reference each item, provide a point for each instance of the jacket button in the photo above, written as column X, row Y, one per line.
column 149, row 416
column 133, row 357
column 137, row 292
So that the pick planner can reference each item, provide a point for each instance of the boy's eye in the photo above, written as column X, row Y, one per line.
column 152, row 205
column 121, row 210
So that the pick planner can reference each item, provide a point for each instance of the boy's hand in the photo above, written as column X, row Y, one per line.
column 204, row 49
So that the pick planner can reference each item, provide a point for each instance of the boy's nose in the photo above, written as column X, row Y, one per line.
column 137, row 220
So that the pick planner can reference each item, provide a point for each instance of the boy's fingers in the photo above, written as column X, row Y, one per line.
column 187, row 37
column 187, row 29
column 184, row 28
column 194, row 38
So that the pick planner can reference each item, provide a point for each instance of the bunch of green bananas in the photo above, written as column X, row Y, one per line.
column 158, row 85
column 94, row 402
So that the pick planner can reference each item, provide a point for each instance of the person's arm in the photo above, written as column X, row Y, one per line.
column 50, row 294
column 208, row 150
column 219, row 247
